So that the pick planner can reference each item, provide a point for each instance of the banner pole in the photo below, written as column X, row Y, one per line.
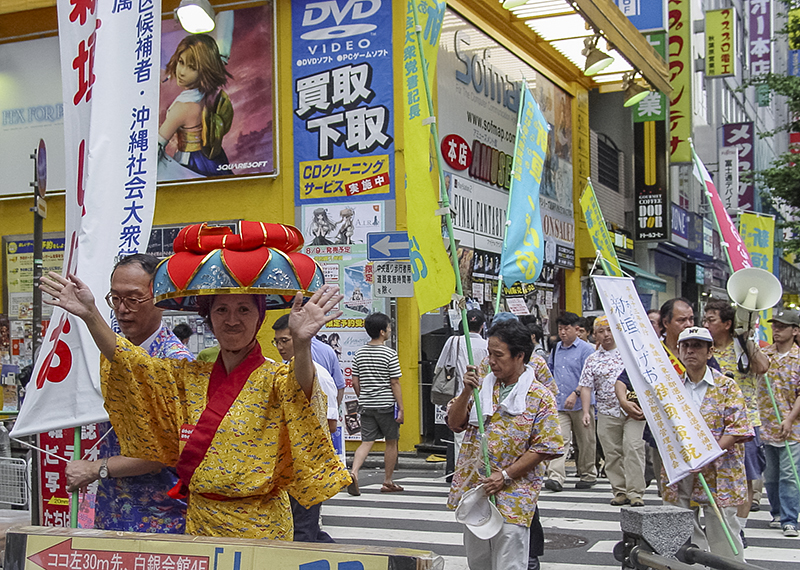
column 73, row 505
column 499, row 291
column 448, row 216
column 718, row 513
column 786, row 443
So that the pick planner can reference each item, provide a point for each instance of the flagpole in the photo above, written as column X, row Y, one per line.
column 73, row 516
column 718, row 513
column 448, row 216
column 508, row 204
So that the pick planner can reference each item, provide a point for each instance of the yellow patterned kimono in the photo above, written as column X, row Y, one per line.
column 270, row 442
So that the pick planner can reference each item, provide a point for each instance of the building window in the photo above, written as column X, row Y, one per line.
column 608, row 162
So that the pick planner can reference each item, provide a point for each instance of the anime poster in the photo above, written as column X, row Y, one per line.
column 342, row 100
column 217, row 107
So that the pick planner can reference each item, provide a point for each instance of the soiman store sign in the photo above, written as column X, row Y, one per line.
column 343, row 100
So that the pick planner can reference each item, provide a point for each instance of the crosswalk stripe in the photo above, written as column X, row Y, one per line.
column 752, row 553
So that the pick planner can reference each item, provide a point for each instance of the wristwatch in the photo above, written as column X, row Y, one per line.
column 577, row 391
column 103, row 472
column 506, row 477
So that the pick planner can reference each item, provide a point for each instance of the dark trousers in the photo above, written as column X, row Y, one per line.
column 537, row 536
column 306, row 523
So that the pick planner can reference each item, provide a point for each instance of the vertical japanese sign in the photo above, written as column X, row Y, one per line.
column 680, row 70
column 434, row 279
column 110, row 88
column 721, row 42
column 53, row 483
column 760, row 28
column 343, row 93
column 523, row 245
column 599, row 232
column 654, row 106
column 728, row 177
column 742, row 136
column 683, row 438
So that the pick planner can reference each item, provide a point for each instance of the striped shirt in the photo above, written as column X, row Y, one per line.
column 375, row 365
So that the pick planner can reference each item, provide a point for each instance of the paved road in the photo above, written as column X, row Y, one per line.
column 581, row 528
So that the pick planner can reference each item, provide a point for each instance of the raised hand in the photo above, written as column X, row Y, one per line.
column 305, row 321
column 71, row 294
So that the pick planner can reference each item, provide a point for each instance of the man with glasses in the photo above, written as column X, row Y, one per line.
column 132, row 493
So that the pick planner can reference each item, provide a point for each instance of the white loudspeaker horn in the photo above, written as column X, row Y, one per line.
column 753, row 290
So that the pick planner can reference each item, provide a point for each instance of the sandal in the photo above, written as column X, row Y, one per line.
column 391, row 488
column 352, row 488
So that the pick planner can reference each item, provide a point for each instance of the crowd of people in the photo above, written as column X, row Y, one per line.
column 183, row 428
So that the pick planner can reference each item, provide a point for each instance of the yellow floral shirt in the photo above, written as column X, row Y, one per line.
column 726, row 358
column 784, row 377
column 271, row 443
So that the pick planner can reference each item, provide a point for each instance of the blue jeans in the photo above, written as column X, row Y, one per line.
column 784, row 497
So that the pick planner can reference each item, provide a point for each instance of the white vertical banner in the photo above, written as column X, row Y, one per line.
column 728, row 177
column 683, row 438
column 110, row 71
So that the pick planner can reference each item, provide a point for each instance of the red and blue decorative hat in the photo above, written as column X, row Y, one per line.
column 261, row 259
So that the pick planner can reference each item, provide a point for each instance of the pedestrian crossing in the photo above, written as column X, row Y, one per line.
column 581, row 527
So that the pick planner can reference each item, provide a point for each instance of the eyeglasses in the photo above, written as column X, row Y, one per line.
column 131, row 303
column 278, row 342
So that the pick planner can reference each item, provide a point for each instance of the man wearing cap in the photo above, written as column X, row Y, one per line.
column 454, row 354
column 722, row 407
column 619, row 434
column 521, row 431
column 782, row 358
column 132, row 493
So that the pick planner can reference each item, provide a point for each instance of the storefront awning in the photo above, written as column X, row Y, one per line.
column 553, row 31
column 645, row 279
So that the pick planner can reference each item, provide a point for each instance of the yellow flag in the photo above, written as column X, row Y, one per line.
column 434, row 278
column 598, row 231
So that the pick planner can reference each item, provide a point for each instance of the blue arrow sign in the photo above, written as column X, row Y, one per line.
column 387, row 245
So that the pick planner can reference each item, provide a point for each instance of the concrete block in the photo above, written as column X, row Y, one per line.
column 665, row 528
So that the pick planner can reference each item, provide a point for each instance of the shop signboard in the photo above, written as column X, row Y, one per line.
column 760, row 36
column 343, row 101
column 742, row 136
column 654, row 106
column 728, row 177
column 652, row 213
column 646, row 15
column 721, row 56
column 680, row 68
column 680, row 226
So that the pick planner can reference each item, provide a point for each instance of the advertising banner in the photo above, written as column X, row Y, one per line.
column 599, row 232
column 343, row 91
column 683, row 438
column 742, row 136
column 758, row 233
column 523, row 246
column 32, row 109
column 728, row 177
column 721, row 53
column 218, row 117
column 680, row 69
column 760, row 33
column 110, row 88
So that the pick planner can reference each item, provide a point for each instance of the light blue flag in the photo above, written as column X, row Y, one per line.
column 523, row 246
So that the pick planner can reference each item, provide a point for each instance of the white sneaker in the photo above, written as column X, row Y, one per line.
column 790, row 530
column 776, row 523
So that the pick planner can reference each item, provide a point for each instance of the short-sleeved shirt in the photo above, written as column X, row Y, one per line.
column 784, row 376
column 454, row 353
column 725, row 413
column 375, row 365
column 141, row 503
column 748, row 383
column 325, row 356
column 537, row 364
column 566, row 364
column 600, row 373
column 508, row 438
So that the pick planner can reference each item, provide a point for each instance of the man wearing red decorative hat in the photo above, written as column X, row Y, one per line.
column 242, row 432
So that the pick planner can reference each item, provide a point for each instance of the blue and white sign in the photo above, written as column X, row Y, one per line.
column 387, row 245
column 680, row 226
column 646, row 15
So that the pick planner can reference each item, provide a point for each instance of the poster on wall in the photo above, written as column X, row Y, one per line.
column 19, row 273
column 478, row 91
column 217, row 102
column 32, row 109
column 336, row 237
column 342, row 101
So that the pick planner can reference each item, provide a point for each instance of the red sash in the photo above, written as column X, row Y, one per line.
column 223, row 389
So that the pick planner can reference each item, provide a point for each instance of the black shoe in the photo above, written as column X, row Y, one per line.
column 755, row 507
column 553, row 485
column 585, row 484
column 744, row 540
column 533, row 563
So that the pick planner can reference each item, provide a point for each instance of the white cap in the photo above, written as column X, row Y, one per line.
column 698, row 333
column 479, row 514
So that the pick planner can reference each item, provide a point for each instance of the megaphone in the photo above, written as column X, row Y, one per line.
column 753, row 290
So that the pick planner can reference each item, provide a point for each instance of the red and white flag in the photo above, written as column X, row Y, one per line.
column 109, row 72
column 732, row 242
